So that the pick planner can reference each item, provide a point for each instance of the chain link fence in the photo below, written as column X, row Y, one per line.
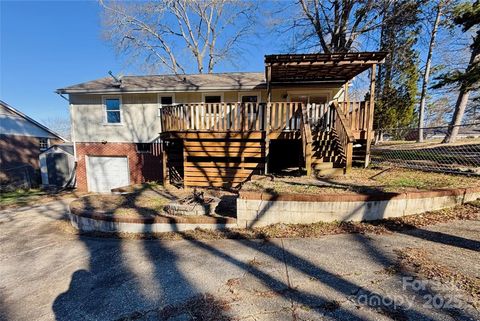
column 399, row 147
column 18, row 177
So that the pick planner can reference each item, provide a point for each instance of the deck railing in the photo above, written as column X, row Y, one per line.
column 356, row 114
column 284, row 116
column 213, row 117
column 344, row 133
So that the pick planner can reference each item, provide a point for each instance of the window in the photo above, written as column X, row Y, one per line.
column 166, row 100
column 213, row 99
column 249, row 99
column 112, row 109
column 309, row 99
column 43, row 143
column 144, row 148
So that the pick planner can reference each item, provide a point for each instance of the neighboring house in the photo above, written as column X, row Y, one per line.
column 22, row 139
column 218, row 129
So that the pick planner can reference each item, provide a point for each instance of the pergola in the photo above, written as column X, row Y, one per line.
column 314, row 68
column 311, row 69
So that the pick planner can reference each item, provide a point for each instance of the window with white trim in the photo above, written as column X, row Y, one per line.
column 113, row 111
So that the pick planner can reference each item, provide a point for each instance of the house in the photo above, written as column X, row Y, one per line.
column 219, row 129
column 22, row 139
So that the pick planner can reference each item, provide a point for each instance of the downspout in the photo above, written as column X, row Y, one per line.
column 72, row 135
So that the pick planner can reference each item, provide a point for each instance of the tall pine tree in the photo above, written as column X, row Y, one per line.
column 466, row 15
column 397, row 78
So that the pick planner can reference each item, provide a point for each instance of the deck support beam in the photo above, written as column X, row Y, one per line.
column 346, row 100
column 165, row 176
column 370, row 113
column 268, row 76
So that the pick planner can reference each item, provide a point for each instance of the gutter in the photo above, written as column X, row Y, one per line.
column 157, row 90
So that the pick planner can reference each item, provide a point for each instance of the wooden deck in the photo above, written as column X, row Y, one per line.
column 236, row 120
column 223, row 144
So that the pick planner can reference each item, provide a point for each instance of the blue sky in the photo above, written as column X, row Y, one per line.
column 45, row 45
column 49, row 45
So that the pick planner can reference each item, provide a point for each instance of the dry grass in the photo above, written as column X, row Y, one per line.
column 372, row 180
column 132, row 205
column 21, row 197
column 469, row 211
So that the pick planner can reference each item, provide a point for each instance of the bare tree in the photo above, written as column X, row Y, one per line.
column 336, row 24
column 426, row 73
column 171, row 34
column 59, row 125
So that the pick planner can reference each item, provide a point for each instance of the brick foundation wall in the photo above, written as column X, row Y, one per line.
column 144, row 167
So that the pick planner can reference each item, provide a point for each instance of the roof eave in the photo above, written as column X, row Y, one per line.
column 33, row 121
column 156, row 90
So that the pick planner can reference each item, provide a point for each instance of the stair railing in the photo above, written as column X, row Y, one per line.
column 306, row 132
column 344, row 134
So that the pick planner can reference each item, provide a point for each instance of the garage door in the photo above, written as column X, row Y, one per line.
column 105, row 173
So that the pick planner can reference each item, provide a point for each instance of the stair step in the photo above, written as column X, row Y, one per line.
column 318, row 165
column 335, row 159
column 324, row 149
column 330, row 172
column 323, row 142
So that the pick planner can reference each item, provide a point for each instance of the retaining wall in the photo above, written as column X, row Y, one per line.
column 260, row 209
column 90, row 222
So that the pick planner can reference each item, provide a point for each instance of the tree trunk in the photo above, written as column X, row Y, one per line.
column 457, row 118
column 462, row 100
column 426, row 75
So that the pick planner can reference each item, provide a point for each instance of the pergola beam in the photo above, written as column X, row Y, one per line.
column 320, row 67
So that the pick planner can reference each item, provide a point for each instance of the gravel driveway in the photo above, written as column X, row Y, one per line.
column 48, row 274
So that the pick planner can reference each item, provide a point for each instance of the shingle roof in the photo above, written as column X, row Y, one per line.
column 168, row 83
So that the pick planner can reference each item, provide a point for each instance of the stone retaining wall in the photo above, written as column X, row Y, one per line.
column 98, row 222
column 260, row 209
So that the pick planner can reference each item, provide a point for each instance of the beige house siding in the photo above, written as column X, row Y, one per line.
column 140, row 121
column 139, row 114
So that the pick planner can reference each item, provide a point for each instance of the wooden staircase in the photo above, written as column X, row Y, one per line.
column 328, row 150
column 327, row 155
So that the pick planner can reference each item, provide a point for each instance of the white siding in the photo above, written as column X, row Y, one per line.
column 12, row 124
column 140, row 121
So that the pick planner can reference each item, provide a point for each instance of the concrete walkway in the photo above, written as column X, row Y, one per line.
column 47, row 274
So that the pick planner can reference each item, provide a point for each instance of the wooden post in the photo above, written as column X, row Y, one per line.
column 185, row 175
column 370, row 114
column 165, row 178
column 268, row 76
column 306, row 138
column 346, row 100
column 349, row 157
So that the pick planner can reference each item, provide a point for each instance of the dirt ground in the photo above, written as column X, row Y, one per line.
column 149, row 199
